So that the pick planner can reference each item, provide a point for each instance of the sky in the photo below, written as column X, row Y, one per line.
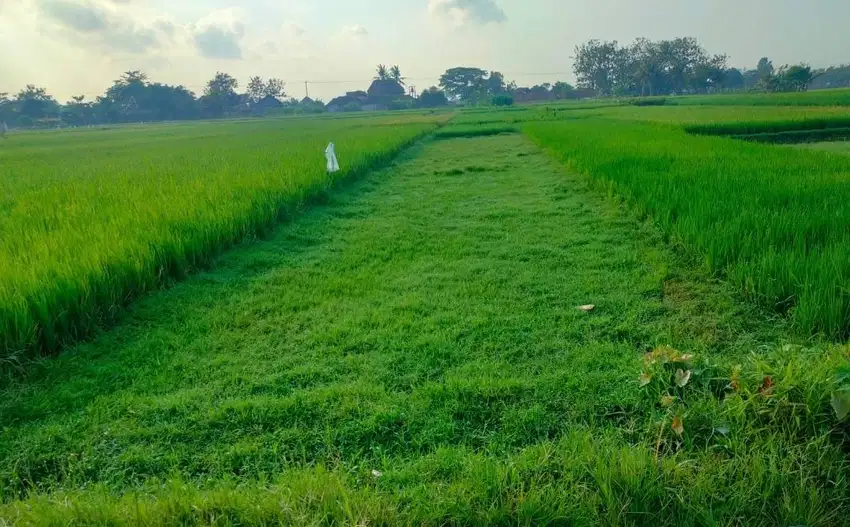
column 78, row 47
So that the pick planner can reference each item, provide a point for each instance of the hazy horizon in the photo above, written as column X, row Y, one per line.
column 75, row 47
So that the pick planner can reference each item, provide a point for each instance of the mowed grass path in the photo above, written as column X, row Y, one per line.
column 422, row 324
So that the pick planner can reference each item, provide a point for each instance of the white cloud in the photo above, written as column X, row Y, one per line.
column 101, row 24
column 219, row 34
column 290, row 42
column 466, row 12
column 84, row 17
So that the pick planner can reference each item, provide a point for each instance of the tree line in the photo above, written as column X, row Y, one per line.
column 478, row 86
column 134, row 98
column 678, row 66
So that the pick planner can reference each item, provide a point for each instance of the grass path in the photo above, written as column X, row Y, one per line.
column 422, row 323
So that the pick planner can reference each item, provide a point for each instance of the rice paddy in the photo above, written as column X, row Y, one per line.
column 577, row 314
column 91, row 219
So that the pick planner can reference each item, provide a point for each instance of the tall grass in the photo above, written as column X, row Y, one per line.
column 91, row 219
column 774, row 220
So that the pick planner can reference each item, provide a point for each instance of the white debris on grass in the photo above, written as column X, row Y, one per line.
column 330, row 155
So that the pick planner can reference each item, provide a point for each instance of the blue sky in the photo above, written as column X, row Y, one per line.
column 80, row 46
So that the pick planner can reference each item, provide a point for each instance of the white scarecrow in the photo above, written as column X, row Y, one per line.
column 330, row 155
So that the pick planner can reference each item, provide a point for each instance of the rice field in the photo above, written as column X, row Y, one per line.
column 589, row 316
column 833, row 97
column 772, row 220
column 91, row 219
column 709, row 115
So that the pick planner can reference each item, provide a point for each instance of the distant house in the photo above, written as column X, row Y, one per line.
column 349, row 101
column 268, row 102
column 381, row 95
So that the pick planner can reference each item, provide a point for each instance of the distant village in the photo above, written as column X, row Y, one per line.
column 134, row 98
column 388, row 91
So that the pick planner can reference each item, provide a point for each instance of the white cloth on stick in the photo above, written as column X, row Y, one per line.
column 330, row 155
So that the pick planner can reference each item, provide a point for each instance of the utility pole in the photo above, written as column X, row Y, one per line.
column 306, row 89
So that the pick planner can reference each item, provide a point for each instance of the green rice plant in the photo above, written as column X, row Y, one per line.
column 798, row 136
column 649, row 101
column 770, row 127
column 91, row 219
column 834, row 97
column 773, row 220
column 722, row 115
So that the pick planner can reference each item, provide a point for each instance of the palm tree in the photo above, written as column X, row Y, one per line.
column 382, row 73
column 395, row 74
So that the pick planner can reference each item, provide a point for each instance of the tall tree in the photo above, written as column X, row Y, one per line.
column 433, row 97
column 6, row 108
column 648, row 68
column 275, row 88
column 131, row 97
column 221, row 84
column 256, row 89
column 496, row 84
column 395, row 74
column 382, row 73
column 172, row 103
column 465, row 84
column 765, row 67
column 797, row 78
column 710, row 73
column 734, row 79
column 76, row 111
column 220, row 95
column 594, row 65
column 35, row 103
column 562, row 90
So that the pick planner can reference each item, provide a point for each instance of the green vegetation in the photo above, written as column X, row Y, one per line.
column 791, row 131
column 771, row 127
column 411, row 353
column 707, row 115
column 760, row 214
column 835, row 97
column 90, row 219
column 477, row 333
column 798, row 136
column 474, row 130
column 839, row 147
